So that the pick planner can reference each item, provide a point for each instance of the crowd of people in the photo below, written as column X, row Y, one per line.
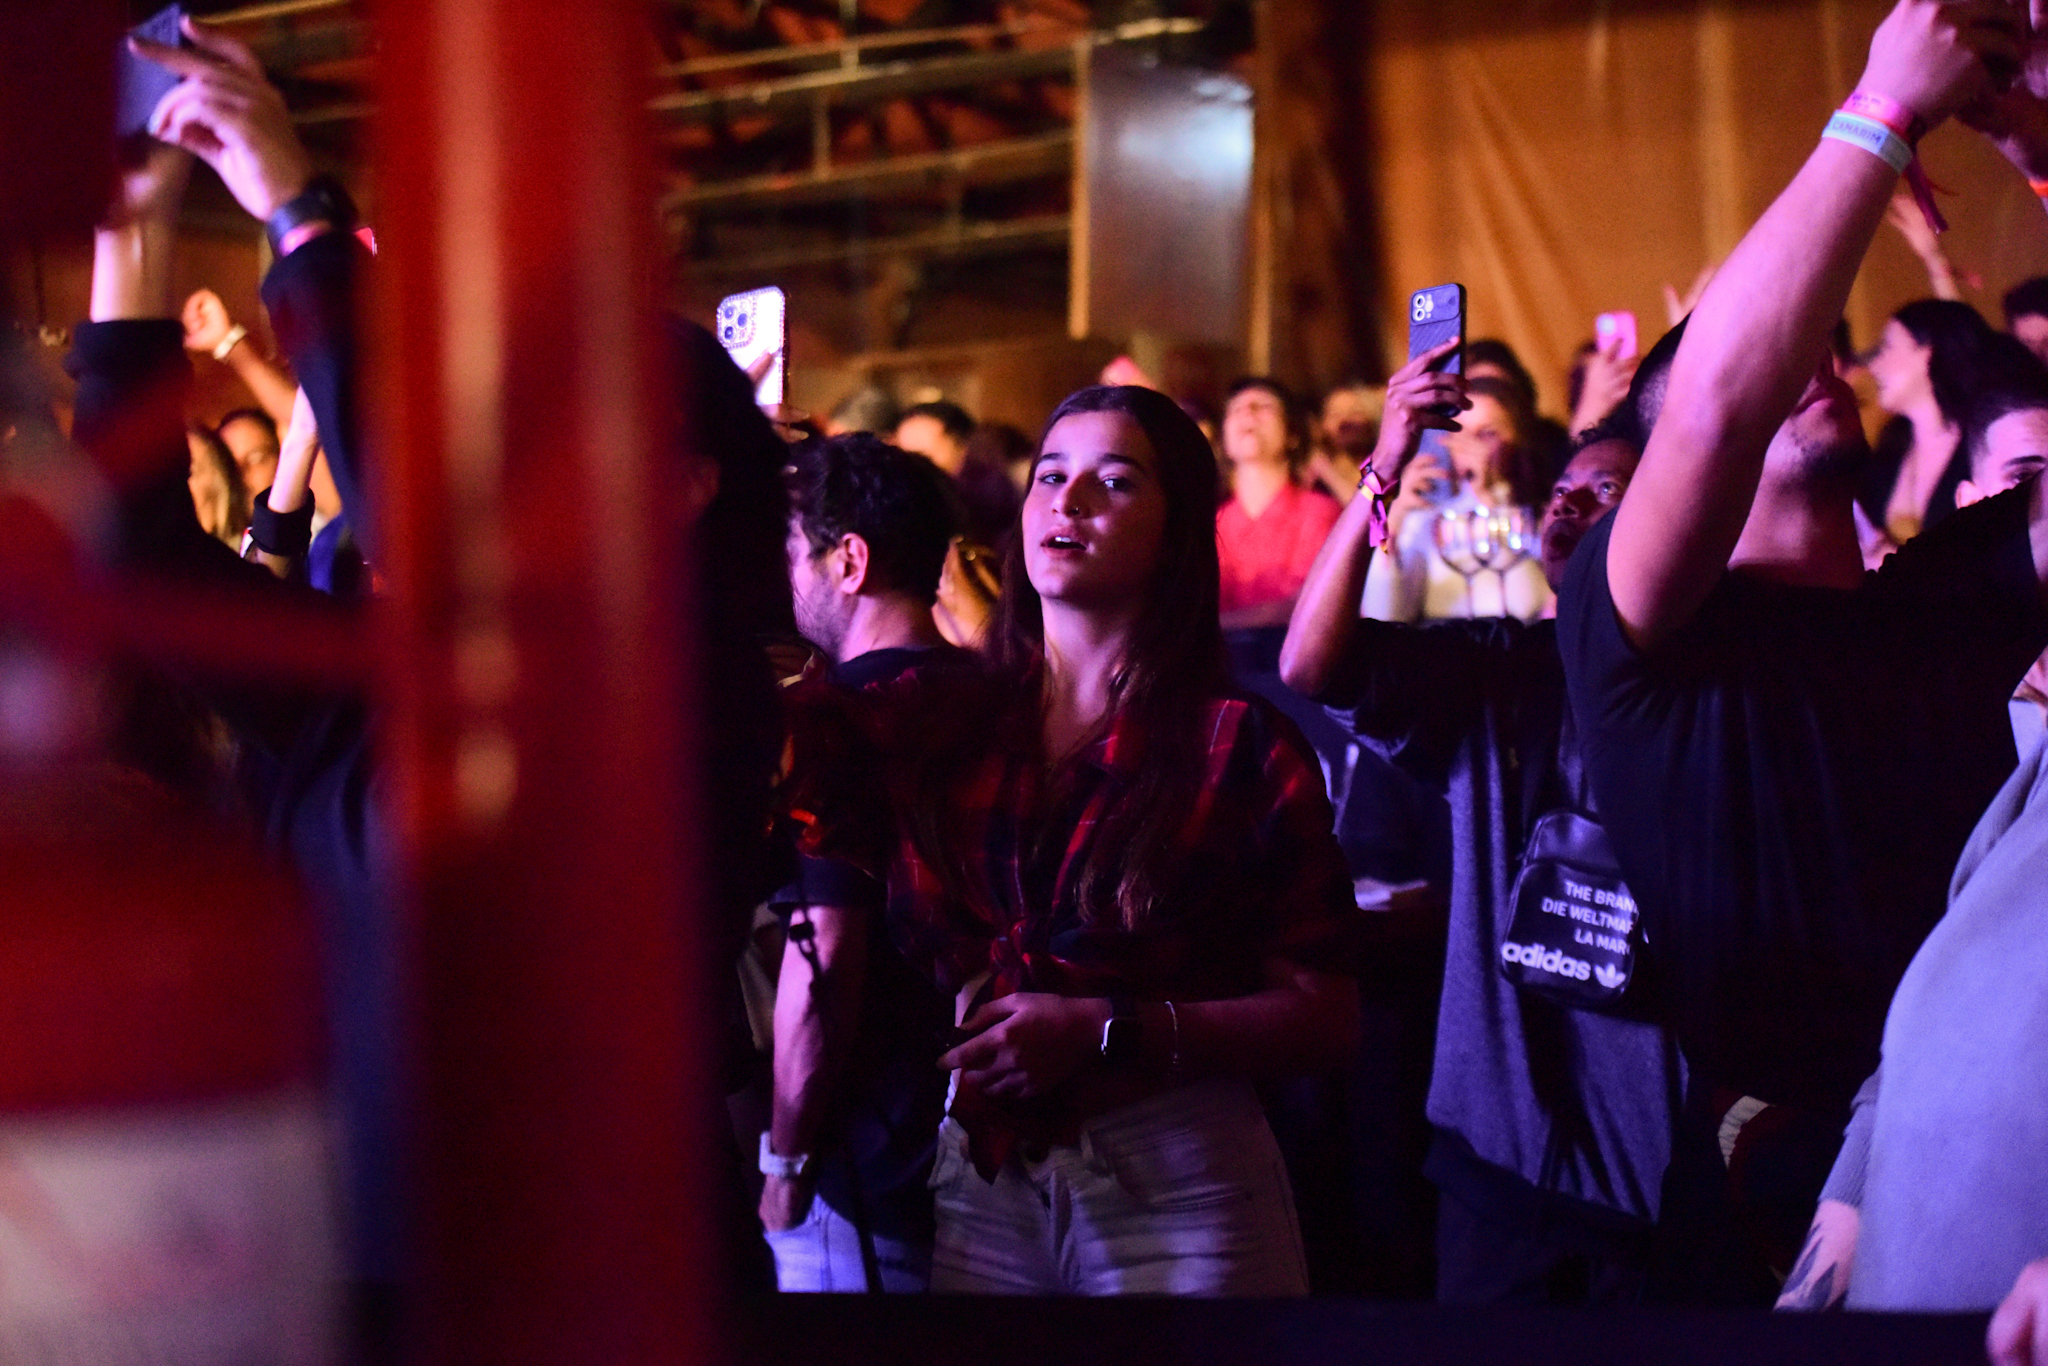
column 1041, row 763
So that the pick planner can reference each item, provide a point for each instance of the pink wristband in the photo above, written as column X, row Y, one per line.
column 1889, row 112
column 1910, row 128
column 1378, row 492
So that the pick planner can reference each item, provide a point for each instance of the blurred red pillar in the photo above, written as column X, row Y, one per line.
column 57, row 107
column 563, row 1174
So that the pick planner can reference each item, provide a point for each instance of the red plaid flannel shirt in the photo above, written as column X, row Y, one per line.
column 1259, row 874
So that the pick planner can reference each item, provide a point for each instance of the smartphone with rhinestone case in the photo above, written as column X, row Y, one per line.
column 754, row 330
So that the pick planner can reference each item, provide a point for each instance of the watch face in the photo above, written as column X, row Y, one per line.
column 1120, row 1039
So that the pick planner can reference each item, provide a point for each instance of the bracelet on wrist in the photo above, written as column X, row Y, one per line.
column 1885, row 110
column 1380, row 493
column 1870, row 112
column 324, row 205
column 283, row 534
column 775, row 1164
column 230, row 341
column 1870, row 135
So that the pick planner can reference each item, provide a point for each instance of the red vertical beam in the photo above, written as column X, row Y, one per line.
column 57, row 107
column 536, row 743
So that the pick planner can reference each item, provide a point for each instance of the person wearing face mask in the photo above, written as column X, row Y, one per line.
column 1123, row 872
column 1552, row 1120
column 1490, row 466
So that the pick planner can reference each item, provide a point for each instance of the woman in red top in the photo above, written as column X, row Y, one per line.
column 1126, row 874
column 1269, row 530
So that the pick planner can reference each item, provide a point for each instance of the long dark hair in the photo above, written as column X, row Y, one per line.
column 1518, row 462
column 1955, row 335
column 1173, row 668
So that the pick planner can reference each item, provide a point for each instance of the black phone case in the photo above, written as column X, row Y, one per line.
column 1436, row 316
column 141, row 83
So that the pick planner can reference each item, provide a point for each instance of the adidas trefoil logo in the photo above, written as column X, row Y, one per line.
column 1609, row 976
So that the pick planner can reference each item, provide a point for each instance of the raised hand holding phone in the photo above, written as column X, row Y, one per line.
column 227, row 114
column 1609, row 370
column 1615, row 334
column 1421, row 398
column 753, row 327
column 2016, row 120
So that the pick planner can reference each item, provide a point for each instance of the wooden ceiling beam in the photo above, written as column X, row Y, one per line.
column 964, row 239
column 796, row 96
column 988, row 163
column 835, row 52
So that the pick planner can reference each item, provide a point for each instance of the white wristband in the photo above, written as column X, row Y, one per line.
column 775, row 1164
column 1872, row 136
column 230, row 341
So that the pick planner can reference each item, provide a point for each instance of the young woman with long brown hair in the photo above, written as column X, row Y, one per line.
column 1125, row 872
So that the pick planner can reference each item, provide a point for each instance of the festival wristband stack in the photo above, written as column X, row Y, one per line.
column 1888, row 130
column 1872, row 136
column 1380, row 493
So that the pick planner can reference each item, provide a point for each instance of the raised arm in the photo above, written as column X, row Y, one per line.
column 1759, row 334
column 1326, row 612
column 133, row 378
column 225, row 112
column 209, row 330
column 281, row 525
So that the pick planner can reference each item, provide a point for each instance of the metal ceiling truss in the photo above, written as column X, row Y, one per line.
column 811, row 81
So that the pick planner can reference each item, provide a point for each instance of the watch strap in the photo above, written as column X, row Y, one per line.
column 324, row 200
column 1121, row 1032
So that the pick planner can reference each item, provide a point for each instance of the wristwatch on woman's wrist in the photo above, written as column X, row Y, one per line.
column 1122, row 1033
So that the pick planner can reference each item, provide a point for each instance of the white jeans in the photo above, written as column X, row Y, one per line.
column 1183, row 1193
column 822, row 1254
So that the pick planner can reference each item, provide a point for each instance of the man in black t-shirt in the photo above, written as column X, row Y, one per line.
column 857, row 1099
column 1789, row 756
column 1552, row 1124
